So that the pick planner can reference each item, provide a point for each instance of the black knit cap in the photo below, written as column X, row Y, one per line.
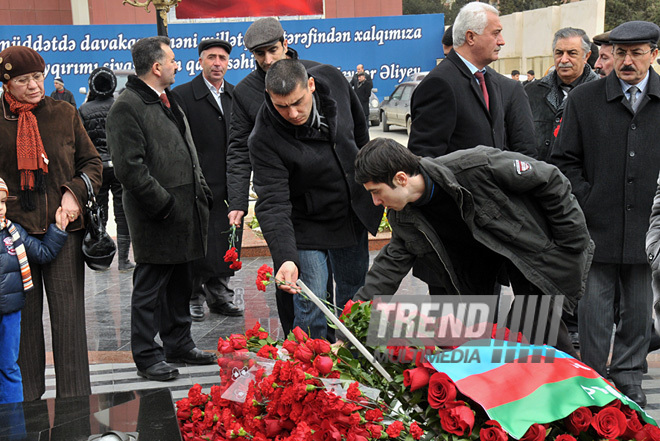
column 19, row 60
column 102, row 82
column 633, row 32
column 213, row 42
column 263, row 32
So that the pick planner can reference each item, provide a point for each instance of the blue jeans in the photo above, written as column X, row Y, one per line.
column 11, row 382
column 349, row 267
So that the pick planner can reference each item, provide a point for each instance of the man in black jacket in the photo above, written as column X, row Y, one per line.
column 471, row 213
column 265, row 39
column 310, row 208
column 207, row 103
column 611, row 158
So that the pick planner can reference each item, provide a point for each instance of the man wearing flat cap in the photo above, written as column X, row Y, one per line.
column 62, row 94
column 265, row 39
column 605, row 62
column 207, row 103
column 612, row 160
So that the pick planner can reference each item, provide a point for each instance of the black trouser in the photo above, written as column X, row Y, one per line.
column 111, row 183
column 159, row 304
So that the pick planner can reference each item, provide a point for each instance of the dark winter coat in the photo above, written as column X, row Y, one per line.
column 306, row 184
column 210, row 131
column 70, row 153
column 529, row 216
column 166, row 198
column 449, row 112
column 547, row 115
column 611, row 157
column 94, row 114
column 12, row 296
column 248, row 98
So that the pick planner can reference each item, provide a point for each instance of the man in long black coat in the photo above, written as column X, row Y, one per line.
column 167, row 201
column 449, row 109
column 207, row 103
column 612, row 160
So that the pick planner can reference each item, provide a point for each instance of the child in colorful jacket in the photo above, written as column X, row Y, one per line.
column 15, row 282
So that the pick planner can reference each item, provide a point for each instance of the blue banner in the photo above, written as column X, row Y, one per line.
column 390, row 48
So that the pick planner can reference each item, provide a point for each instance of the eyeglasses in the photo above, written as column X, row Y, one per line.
column 38, row 77
column 635, row 54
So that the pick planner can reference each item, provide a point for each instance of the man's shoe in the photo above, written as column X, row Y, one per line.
column 160, row 371
column 193, row 356
column 575, row 339
column 635, row 393
column 227, row 308
column 197, row 313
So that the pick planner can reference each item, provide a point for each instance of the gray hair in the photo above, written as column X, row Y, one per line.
column 472, row 17
column 570, row 33
column 148, row 51
column 284, row 76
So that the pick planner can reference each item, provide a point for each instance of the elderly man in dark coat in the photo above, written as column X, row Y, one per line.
column 450, row 110
column 571, row 49
column 611, row 158
column 207, row 103
column 167, row 201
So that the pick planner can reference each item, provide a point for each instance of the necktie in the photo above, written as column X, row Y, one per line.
column 164, row 99
column 633, row 97
column 482, row 84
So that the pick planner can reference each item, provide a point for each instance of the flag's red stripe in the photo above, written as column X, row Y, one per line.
column 506, row 385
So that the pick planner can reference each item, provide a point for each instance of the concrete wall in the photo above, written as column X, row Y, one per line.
column 528, row 35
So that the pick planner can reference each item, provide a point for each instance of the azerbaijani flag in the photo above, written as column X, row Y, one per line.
column 520, row 384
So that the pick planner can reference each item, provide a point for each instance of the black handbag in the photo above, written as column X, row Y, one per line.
column 98, row 247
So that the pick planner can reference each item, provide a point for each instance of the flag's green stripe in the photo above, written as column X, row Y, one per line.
column 555, row 401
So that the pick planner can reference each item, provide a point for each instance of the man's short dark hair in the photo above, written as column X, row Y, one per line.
column 382, row 158
column 515, row 72
column 284, row 76
column 148, row 51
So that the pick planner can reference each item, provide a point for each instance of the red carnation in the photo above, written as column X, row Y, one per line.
column 415, row 431
column 231, row 255
column 457, row 418
column 268, row 351
column 441, row 390
column 416, row 378
column 374, row 415
column 394, row 429
column 264, row 275
column 236, row 265
column 609, row 423
column 536, row 432
column 493, row 432
column 579, row 421
column 353, row 393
